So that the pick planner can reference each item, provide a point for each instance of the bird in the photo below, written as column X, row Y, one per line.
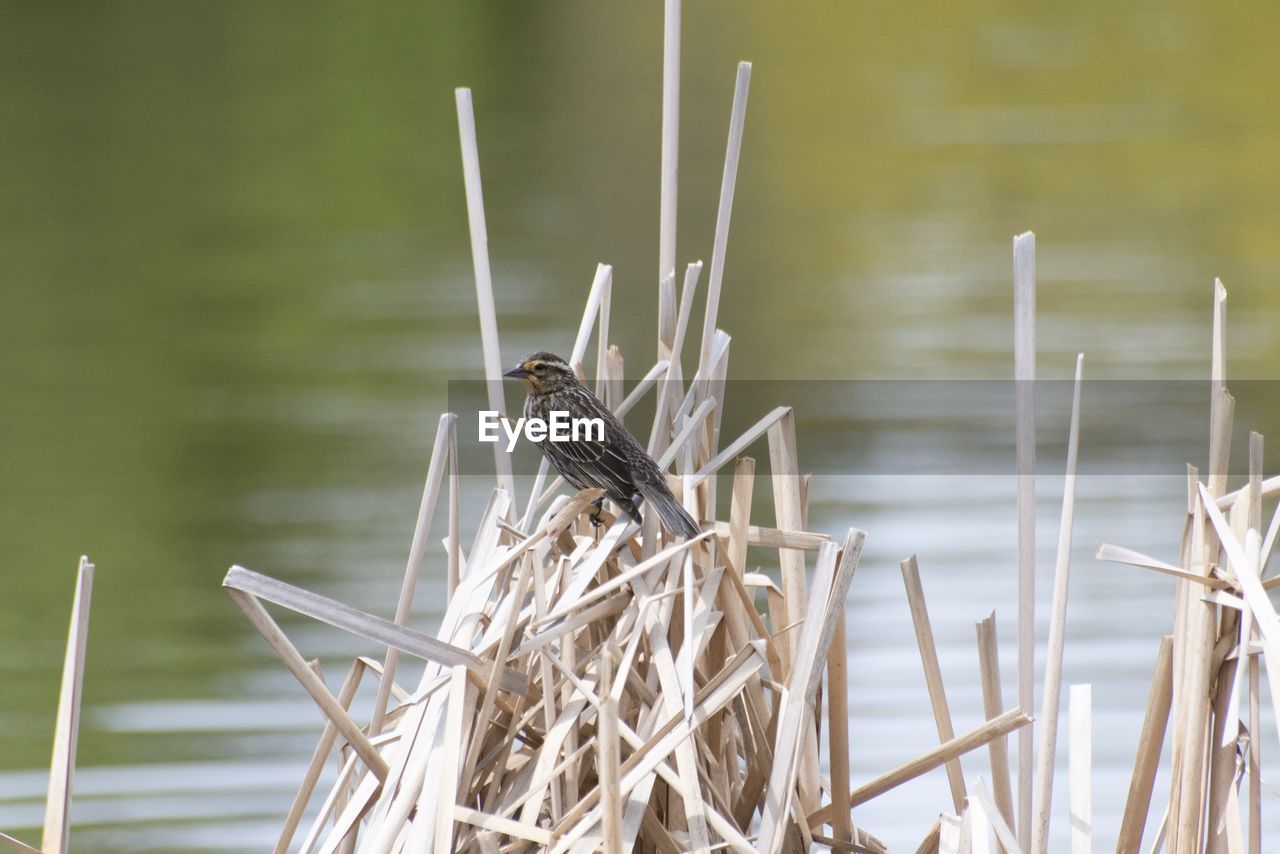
column 618, row 464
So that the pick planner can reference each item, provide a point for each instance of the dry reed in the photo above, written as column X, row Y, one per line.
column 612, row 689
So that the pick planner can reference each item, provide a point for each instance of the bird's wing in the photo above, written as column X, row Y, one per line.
column 592, row 464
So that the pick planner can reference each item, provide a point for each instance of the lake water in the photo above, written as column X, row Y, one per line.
column 237, row 283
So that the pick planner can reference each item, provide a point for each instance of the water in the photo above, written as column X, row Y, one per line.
column 237, row 281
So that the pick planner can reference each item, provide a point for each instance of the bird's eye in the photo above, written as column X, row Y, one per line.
column 539, row 368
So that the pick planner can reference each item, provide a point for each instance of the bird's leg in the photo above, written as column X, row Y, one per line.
column 596, row 521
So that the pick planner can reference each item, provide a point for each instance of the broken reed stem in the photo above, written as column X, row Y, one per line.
column 787, row 509
column 838, row 716
column 737, row 446
column 449, row 769
column 66, row 727
column 484, row 278
column 1057, row 634
column 1253, row 761
column 499, row 669
column 454, row 545
column 1244, row 559
column 992, row 703
column 1024, row 375
column 1187, row 809
column 1080, row 765
column 796, row 740
column 1191, row 532
column 413, row 567
column 977, row 737
column 932, row 674
column 1129, row 557
column 592, row 317
column 1218, row 350
column 670, row 391
column 668, row 207
column 1005, row 838
column 608, row 386
column 608, row 757
column 321, row 754
column 728, row 182
column 1228, row 678
column 8, row 843
column 1187, row 806
column 692, row 273
column 338, row 615
column 293, row 660
column 1150, row 746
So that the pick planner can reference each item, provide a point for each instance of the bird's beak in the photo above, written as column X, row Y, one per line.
column 518, row 372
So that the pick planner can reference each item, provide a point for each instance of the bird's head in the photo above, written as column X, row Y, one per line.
column 543, row 372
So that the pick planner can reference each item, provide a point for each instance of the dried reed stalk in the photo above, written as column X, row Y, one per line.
column 1057, row 634
column 1187, row 823
column 992, row 703
column 484, row 278
column 1080, row 763
column 999, row 726
column 838, row 717
column 413, row 567
column 668, row 201
column 1150, row 745
column 933, row 674
column 1024, row 375
column 728, row 182
column 66, row 728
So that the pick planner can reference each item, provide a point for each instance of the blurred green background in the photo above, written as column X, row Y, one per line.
column 236, row 279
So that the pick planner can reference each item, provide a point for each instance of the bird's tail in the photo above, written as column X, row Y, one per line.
column 674, row 517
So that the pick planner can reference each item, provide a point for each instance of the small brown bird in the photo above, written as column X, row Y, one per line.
column 619, row 464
